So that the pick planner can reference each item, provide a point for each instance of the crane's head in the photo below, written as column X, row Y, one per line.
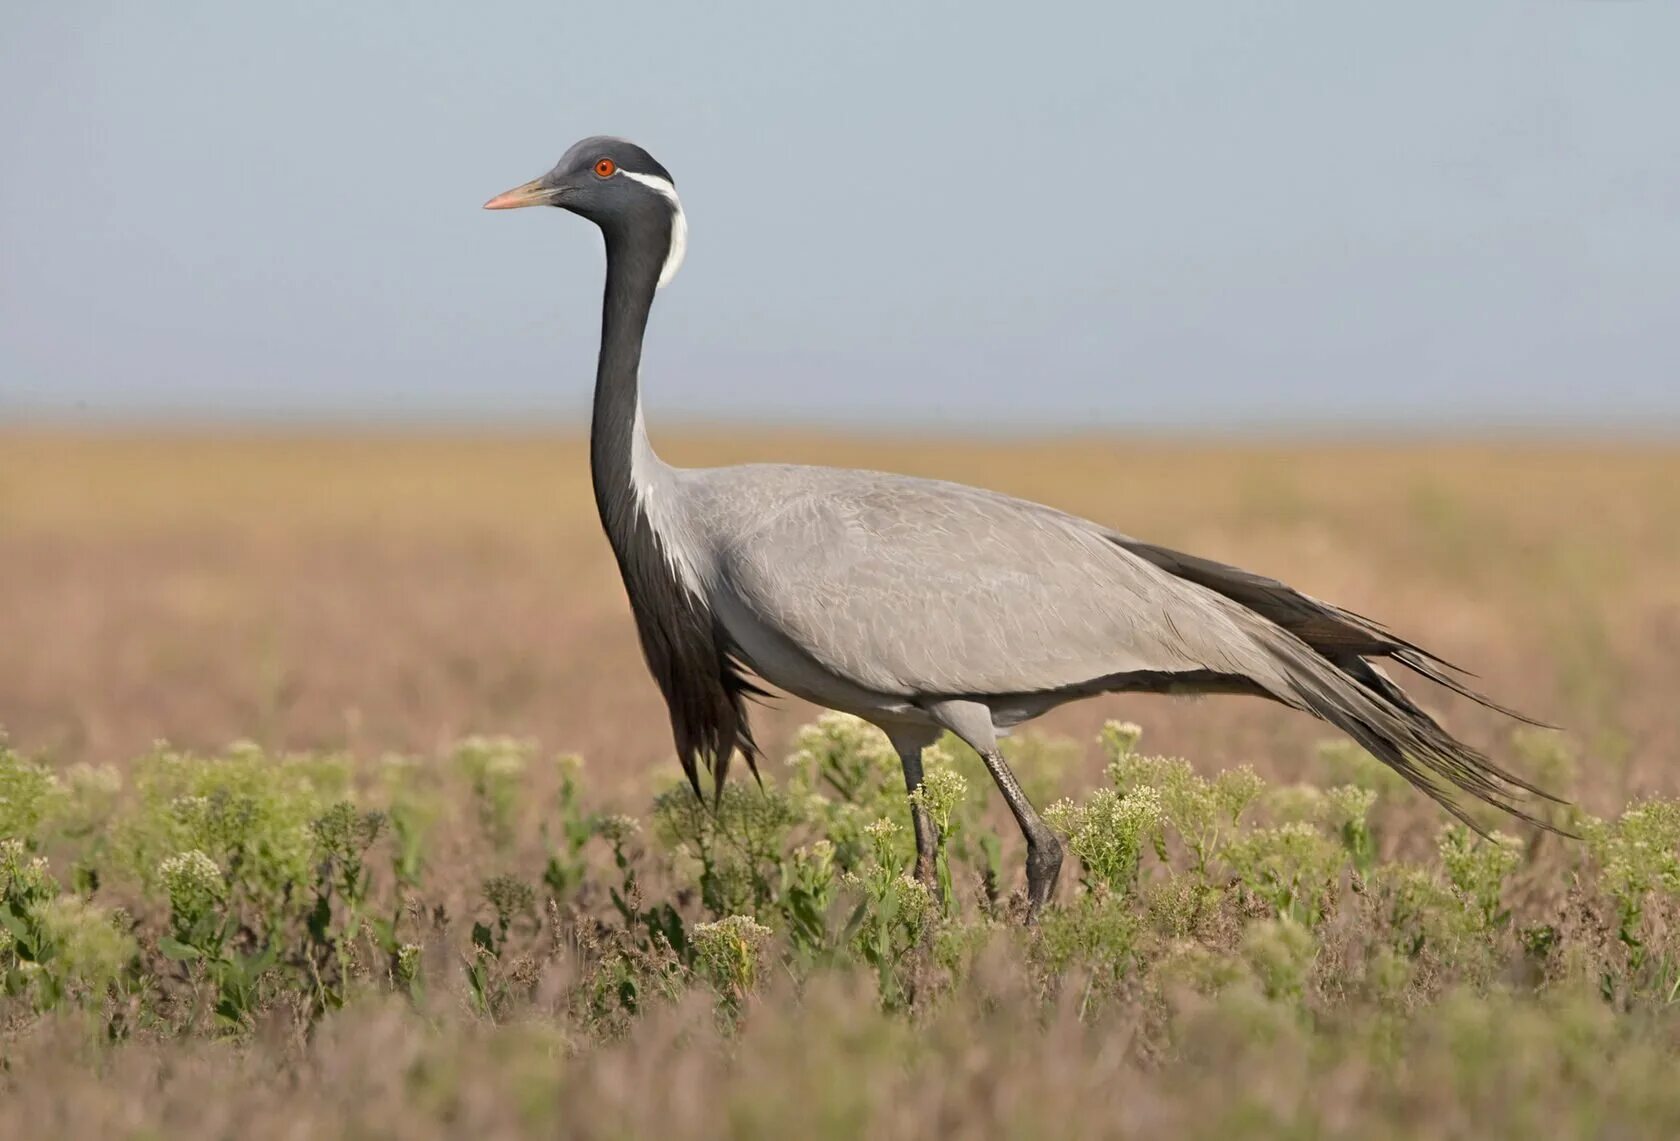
column 618, row 186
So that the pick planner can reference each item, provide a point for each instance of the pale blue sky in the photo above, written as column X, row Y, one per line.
column 1004, row 214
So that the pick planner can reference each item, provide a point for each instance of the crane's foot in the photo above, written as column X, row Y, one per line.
column 927, row 873
column 927, row 854
column 1044, row 865
column 927, row 869
column 927, row 836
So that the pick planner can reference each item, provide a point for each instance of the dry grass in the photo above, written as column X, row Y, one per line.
column 394, row 594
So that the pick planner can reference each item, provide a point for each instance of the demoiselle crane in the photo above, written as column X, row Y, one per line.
column 925, row 606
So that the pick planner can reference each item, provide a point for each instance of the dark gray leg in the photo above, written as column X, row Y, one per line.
column 972, row 721
column 909, row 742
column 1044, row 851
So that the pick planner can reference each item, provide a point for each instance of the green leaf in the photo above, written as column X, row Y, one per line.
column 172, row 948
column 319, row 919
column 854, row 921
column 15, row 923
column 384, row 934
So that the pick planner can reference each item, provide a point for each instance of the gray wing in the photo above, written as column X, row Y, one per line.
column 918, row 587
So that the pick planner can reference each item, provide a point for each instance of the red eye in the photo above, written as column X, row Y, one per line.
column 606, row 168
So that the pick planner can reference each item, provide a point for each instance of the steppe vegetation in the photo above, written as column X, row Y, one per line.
column 352, row 924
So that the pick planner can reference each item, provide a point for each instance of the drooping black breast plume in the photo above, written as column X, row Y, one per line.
column 704, row 685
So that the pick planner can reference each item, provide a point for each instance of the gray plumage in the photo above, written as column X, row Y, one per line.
column 922, row 605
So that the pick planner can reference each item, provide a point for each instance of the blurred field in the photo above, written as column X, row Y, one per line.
column 396, row 592
column 486, row 938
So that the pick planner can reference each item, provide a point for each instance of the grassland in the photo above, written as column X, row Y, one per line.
column 401, row 905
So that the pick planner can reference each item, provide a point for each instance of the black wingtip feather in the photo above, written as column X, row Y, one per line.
column 1350, row 693
column 1426, row 666
column 1323, row 650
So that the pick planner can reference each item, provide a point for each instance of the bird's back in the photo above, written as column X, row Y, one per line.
column 914, row 587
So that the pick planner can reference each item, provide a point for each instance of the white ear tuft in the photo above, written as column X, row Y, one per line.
column 679, row 222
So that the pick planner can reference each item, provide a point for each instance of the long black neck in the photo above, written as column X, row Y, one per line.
column 690, row 660
column 634, row 257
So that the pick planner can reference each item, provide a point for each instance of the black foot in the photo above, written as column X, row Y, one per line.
column 1044, row 864
column 927, row 872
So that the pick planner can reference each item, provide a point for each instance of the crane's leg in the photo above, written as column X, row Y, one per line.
column 972, row 721
column 909, row 741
